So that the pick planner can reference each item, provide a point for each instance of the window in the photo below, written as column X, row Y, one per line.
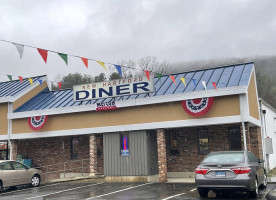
column 124, row 144
column 251, row 158
column 74, row 143
column 6, row 166
column 4, row 150
column 174, row 144
column 235, row 138
column 18, row 166
column 203, row 141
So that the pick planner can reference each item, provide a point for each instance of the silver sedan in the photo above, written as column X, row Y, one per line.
column 13, row 173
column 230, row 170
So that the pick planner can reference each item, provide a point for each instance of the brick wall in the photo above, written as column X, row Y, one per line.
column 188, row 146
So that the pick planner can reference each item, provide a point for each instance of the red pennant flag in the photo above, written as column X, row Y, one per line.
column 215, row 85
column 20, row 78
column 147, row 74
column 59, row 85
column 44, row 54
column 85, row 61
column 173, row 79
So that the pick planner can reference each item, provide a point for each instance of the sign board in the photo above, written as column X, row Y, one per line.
column 111, row 105
column 114, row 88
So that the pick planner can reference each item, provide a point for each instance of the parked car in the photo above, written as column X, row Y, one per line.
column 226, row 170
column 13, row 173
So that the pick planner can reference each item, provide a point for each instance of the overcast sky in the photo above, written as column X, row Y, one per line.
column 109, row 31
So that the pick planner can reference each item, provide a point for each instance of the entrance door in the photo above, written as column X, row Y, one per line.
column 235, row 138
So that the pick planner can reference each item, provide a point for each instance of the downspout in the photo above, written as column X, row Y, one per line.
column 10, row 109
column 263, row 133
column 244, row 134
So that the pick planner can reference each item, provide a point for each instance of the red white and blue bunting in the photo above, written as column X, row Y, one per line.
column 37, row 122
column 197, row 107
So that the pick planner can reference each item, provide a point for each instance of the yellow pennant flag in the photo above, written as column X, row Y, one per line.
column 31, row 81
column 102, row 64
column 183, row 80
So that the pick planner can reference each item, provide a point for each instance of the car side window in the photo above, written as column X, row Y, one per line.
column 6, row 166
column 251, row 158
column 18, row 166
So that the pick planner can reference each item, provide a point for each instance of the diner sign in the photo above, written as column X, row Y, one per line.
column 114, row 88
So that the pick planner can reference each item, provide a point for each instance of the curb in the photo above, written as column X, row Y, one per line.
column 70, row 179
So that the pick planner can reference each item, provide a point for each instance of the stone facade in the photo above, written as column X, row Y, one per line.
column 162, row 157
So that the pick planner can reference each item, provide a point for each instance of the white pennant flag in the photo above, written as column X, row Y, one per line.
column 20, row 49
column 204, row 84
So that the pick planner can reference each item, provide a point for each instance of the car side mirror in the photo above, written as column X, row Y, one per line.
column 260, row 160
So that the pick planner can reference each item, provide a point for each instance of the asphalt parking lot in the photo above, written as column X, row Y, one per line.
column 89, row 189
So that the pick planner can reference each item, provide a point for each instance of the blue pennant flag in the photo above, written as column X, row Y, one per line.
column 40, row 81
column 194, row 81
column 119, row 69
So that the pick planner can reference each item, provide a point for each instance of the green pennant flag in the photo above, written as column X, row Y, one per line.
column 159, row 76
column 10, row 77
column 64, row 57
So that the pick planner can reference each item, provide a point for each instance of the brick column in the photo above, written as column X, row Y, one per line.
column 93, row 154
column 162, row 157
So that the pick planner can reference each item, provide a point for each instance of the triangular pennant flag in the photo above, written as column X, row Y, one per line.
column 102, row 64
column 147, row 74
column 43, row 53
column 40, row 82
column 31, row 81
column 194, row 81
column 204, row 85
column 159, row 76
column 119, row 69
column 10, row 77
column 20, row 78
column 173, row 79
column 85, row 61
column 20, row 49
column 183, row 80
column 59, row 85
column 215, row 85
column 64, row 57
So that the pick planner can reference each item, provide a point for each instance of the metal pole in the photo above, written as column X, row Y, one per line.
column 82, row 167
column 64, row 170
column 244, row 136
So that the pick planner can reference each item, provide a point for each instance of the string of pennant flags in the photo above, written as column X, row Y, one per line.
column 44, row 54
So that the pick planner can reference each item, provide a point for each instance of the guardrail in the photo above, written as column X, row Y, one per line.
column 66, row 169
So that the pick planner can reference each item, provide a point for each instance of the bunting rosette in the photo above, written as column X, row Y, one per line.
column 37, row 122
column 198, row 107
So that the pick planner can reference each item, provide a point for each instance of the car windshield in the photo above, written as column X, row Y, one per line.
column 227, row 157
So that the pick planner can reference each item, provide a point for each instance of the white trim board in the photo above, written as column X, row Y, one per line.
column 136, row 102
column 133, row 127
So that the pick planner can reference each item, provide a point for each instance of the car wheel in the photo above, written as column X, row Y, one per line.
column 203, row 192
column 255, row 192
column 1, row 186
column 35, row 181
column 264, row 185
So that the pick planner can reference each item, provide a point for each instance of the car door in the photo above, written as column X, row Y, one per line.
column 7, row 174
column 22, row 173
column 257, row 167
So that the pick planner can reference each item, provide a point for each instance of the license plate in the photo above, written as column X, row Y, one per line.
column 220, row 174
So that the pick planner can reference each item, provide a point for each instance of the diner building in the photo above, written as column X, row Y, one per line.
column 129, row 136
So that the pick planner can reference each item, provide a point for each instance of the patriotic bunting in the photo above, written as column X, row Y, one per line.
column 147, row 74
column 20, row 49
column 21, row 79
column 102, row 64
column 64, row 57
column 183, row 80
column 173, row 79
column 43, row 53
column 85, row 61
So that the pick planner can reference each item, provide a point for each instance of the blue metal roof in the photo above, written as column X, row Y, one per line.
column 11, row 88
column 229, row 76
